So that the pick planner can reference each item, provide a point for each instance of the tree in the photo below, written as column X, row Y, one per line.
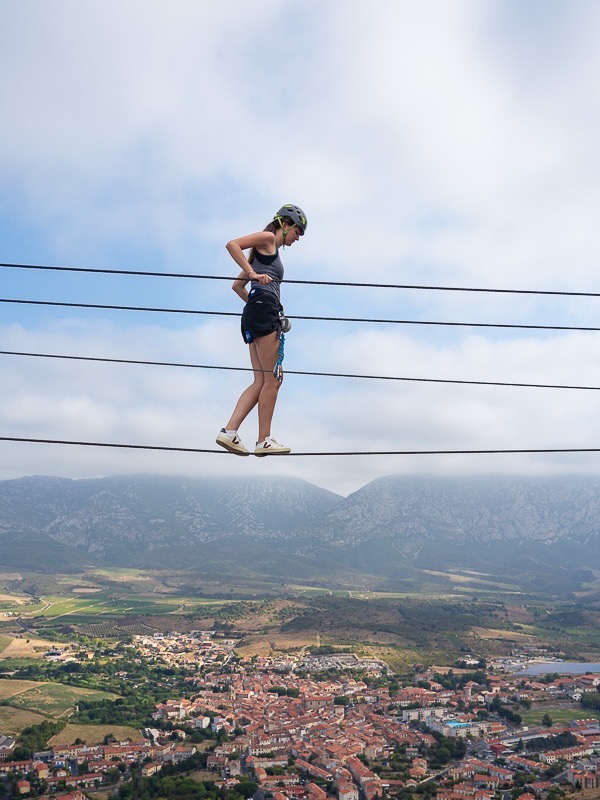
column 341, row 700
column 246, row 787
column 591, row 700
column 547, row 721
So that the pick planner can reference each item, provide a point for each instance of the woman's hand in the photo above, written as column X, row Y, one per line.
column 259, row 277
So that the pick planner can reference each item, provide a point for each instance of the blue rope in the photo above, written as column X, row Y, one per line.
column 278, row 368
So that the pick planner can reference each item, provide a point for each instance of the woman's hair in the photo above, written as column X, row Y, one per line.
column 272, row 227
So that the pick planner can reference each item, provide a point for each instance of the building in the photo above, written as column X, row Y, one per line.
column 7, row 745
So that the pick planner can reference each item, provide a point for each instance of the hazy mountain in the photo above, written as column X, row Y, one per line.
column 486, row 509
column 146, row 512
column 538, row 533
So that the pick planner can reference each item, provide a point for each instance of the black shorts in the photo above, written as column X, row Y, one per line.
column 260, row 315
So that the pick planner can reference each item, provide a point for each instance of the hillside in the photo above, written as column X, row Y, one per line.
column 518, row 534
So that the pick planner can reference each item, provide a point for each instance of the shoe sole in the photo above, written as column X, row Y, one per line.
column 272, row 453
column 231, row 448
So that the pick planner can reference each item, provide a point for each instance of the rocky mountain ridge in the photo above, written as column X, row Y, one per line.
column 150, row 512
column 478, row 509
column 288, row 527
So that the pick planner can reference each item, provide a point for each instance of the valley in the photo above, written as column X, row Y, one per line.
column 276, row 618
column 150, row 607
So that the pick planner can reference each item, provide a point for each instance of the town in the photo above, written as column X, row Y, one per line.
column 324, row 725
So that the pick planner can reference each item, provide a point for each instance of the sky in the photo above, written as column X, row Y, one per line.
column 430, row 142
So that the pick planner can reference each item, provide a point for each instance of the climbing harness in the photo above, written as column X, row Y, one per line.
column 285, row 324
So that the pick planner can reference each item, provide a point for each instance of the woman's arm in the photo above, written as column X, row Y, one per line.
column 264, row 241
column 239, row 286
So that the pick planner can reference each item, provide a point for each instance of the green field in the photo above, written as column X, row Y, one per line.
column 28, row 609
column 533, row 716
column 577, row 638
column 102, row 602
column 48, row 699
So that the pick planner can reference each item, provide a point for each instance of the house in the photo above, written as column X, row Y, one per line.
column 310, row 702
column 315, row 792
column 41, row 769
column 74, row 795
column 540, row 788
column 527, row 796
column 151, row 769
column 583, row 778
column 7, row 745
column 15, row 766
column 347, row 790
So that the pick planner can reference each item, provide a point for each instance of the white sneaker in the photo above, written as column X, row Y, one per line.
column 271, row 447
column 232, row 442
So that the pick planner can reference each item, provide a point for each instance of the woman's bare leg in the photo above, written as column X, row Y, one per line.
column 249, row 397
column 267, row 350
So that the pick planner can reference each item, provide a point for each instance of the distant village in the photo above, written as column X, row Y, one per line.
column 355, row 736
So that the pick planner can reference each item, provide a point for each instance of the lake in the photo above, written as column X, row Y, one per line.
column 562, row 667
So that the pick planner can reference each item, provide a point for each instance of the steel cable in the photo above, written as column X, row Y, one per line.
column 133, row 361
column 149, row 273
column 167, row 448
column 305, row 317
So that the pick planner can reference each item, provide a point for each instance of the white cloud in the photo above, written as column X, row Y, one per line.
column 449, row 143
column 161, row 406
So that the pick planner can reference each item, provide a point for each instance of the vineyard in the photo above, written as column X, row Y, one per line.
column 112, row 630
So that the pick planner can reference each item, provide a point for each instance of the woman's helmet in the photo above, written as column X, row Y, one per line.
column 294, row 213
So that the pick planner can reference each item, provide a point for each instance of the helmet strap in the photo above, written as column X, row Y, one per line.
column 283, row 230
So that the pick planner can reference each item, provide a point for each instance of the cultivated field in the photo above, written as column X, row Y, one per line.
column 12, row 600
column 48, row 699
column 497, row 633
column 87, row 602
column 13, row 720
column 400, row 659
column 94, row 734
column 29, row 647
column 10, row 688
column 275, row 644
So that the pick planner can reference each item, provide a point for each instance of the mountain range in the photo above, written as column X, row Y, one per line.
column 525, row 534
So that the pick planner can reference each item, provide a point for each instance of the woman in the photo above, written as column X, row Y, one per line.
column 261, row 325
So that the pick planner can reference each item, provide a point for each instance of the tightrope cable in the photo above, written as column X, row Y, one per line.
column 195, row 450
column 100, row 359
column 299, row 316
column 149, row 273
column 316, row 453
